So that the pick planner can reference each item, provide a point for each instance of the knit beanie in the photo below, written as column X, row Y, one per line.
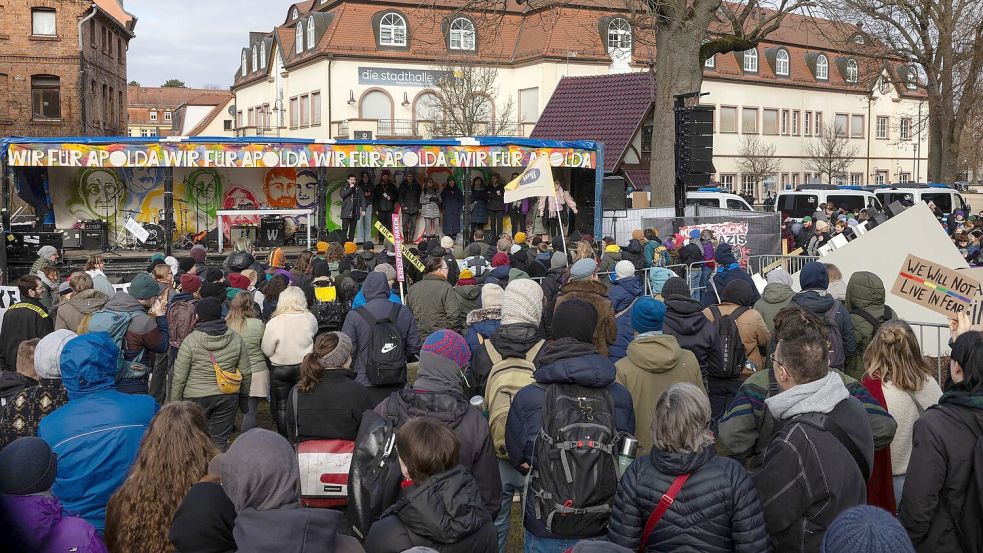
column 190, row 283
column 465, row 274
column 322, row 247
column 612, row 248
column 387, row 270
column 320, row 268
column 215, row 290
column 447, row 243
column 575, row 319
column 501, row 258
column 172, row 263
column 648, row 315
column 143, row 287
column 185, row 264
column 238, row 281
column 517, row 274
column 624, row 269
column 658, row 277
column 47, row 251
column 514, row 249
column 583, row 269
column 694, row 234
column 213, row 274
column 522, row 303
column 208, row 309
column 277, row 258
column 198, row 253
column 341, row 353
column 350, row 248
column 675, row 286
column 558, row 260
column 866, row 529
column 449, row 345
column 27, row 466
column 491, row 295
column 520, row 238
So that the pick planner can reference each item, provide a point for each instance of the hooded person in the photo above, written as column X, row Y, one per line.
column 85, row 301
column 865, row 297
column 686, row 322
column 625, row 290
column 204, row 520
column 483, row 322
column 776, row 295
column 437, row 393
column 814, row 298
column 96, row 435
column 390, row 273
column 609, row 258
column 556, row 276
column 21, row 416
column 584, row 285
column 635, row 254
column 728, row 270
column 262, row 480
column 37, row 519
column 654, row 363
column 570, row 358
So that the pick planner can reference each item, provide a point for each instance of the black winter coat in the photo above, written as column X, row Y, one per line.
column 331, row 411
column 25, row 320
column 717, row 510
column 691, row 253
column 496, row 198
column 443, row 513
column 694, row 332
column 381, row 203
column 351, row 202
column 409, row 197
column 552, row 282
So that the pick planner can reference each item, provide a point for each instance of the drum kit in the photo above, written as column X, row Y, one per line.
column 156, row 235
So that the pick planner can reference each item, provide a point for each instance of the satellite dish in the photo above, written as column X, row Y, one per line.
column 232, row 110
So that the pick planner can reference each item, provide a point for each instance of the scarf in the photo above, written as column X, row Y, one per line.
column 213, row 328
column 820, row 396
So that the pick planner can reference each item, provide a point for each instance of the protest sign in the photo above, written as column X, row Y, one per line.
column 935, row 286
column 398, row 243
column 404, row 248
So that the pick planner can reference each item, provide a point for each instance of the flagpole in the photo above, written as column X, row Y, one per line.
column 563, row 232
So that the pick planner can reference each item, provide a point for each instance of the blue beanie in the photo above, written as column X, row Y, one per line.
column 814, row 276
column 648, row 314
column 694, row 234
column 866, row 529
column 658, row 277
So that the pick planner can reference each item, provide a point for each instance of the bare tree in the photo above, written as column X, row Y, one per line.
column 830, row 153
column 464, row 101
column 757, row 159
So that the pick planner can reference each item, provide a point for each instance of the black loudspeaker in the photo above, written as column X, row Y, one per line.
column 613, row 194
column 72, row 239
column 21, row 244
column 93, row 239
column 272, row 232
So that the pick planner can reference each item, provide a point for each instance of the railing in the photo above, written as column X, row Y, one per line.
column 791, row 263
column 396, row 127
column 933, row 340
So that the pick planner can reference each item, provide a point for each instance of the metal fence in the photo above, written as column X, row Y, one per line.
column 791, row 263
column 933, row 338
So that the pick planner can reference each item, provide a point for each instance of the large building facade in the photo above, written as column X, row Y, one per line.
column 360, row 69
column 166, row 111
column 63, row 67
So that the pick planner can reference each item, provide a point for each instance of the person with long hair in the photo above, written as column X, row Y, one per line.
column 478, row 207
column 940, row 501
column 271, row 294
column 301, row 271
column 901, row 379
column 243, row 319
column 288, row 337
column 173, row 455
column 336, row 259
column 327, row 403
column 93, row 267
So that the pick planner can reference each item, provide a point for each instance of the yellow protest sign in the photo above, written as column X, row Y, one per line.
column 405, row 249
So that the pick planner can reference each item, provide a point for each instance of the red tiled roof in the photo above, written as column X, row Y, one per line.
column 165, row 96
column 115, row 9
column 607, row 108
column 640, row 179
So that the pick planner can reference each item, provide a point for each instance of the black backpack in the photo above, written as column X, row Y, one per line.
column 575, row 477
column 386, row 363
column 874, row 322
column 729, row 343
column 330, row 314
column 374, row 477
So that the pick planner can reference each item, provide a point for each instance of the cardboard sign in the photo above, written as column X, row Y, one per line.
column 935, row 286
column 405, row 249
column 398, row 242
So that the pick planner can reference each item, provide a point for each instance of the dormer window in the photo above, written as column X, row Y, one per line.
column 822, row 67
column 310, row 32
column 619, row 35
column 883, row 85
column 244, row 67
column 255, row 57
column 912, row 80
column 299, row 37
column 262, row 56
column 153, row 115
column 294, row 14
column 859, row 39
column 781, row 63
column 462, row 34
column 392, row 30
column 852, row 71
column 751, row 60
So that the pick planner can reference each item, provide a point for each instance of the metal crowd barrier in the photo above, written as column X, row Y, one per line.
column 933, row 338
column 791, row 263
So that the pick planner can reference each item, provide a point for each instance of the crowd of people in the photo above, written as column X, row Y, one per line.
column 630, row 407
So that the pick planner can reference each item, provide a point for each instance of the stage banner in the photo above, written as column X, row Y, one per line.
column 748, row 233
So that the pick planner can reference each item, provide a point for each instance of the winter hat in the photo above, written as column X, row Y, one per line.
column 807, row 219
column 501, row 258
column 213, row 274
column 341, row 353
column 779, row 276
column 866, row 529
column 190, row 283
column 624, row 269
column 27, row 466
column 350, row 248
column 739, row 292
column 575, row 319
column 449, row 345
column 185, row 264
column 515, row 248
column 64, row 288
column 447, row 243
column 558, row 260
column 491, row 295
column 172, row 263
column 368, row 246
column 648, row 315
column 277, row 258
column 612, row 248
column 694, row 234
column 322, row 247
column 387, row 270
column 320, row 268
column 208, row 309
column 236, row 280
column 583, row 269
column 814, row 276
column 286, row 274
column 517, row 274
column 558, row 243
column 47, row 354
column 215, row 290
column 522, row 303
column 520, row 238
column 145, row 287
column 822, row 226
column 675, row 286
column 465, row 274
column 474, row 249
column 47, row 251
column 198, row 253
column 658, row 277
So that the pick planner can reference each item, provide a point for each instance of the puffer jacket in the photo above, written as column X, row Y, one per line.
column 635, row 254
column 96, row 435
column 551, row 283
column 443, row 513
column 819, row 302
column 865, row 291
column 435, row 305
column 716, row 511
column 693, row 331
column 71, row 313
column 564, row 361
column 510, row 341
column 470, row 296
column 594, row 293
column 482, row 322
column 776, row 296
column 44, row 528
column 252, row 337
column 622, row 294
column 728, row 270
column 194, row 376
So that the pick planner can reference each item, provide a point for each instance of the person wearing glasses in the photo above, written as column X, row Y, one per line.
column 24, row 320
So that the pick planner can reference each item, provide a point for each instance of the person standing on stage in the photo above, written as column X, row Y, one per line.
column 478, row 207
column 351, row 207
column 453, row 201
column 367, row 188
column 496, row 205
column 409, row 205
column 430, row 208
column 385, row 200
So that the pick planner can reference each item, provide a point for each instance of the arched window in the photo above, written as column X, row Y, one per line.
column 912, row 81
column 822, row 67
column 255, row 57
column 310, row 32
column 427, row 107
column 711, row 62
column 245, row 69
column 299, row 38
column 294, row 14
column 462, row 34
column 392, row 30
column 619, row 34
column 376, row 104
column 781, row 63
column 852, row 71
column 262, row 55
column 751, row 60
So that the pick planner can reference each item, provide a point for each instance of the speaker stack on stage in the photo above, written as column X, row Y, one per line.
column 272, row 232
column 95, row 234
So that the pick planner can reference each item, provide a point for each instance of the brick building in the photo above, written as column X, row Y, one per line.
column 63, row 67
column 166, row 111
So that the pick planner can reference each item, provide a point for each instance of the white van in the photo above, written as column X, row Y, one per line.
column 716, row 197
column 945, row 198
column 807, row 198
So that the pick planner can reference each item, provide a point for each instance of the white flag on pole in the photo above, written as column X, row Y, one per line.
column 535, row 181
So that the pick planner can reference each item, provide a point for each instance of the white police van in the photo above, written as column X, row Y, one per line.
column 945, row 198
column 716, row 197
column 807, row 198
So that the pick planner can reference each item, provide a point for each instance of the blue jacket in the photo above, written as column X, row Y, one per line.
column 728, row 270
column 564, row 361
column 359, row 300
column 622, row 293
column 96, row 435
column 482, row 322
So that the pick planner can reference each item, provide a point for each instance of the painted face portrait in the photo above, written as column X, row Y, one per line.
column 204, row 186
column 280, row 187
column 102, row 192
column 238, row 197
column 142, row 180
column 306, row 188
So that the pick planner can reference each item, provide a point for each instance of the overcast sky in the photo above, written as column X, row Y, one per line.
column 197, row 41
